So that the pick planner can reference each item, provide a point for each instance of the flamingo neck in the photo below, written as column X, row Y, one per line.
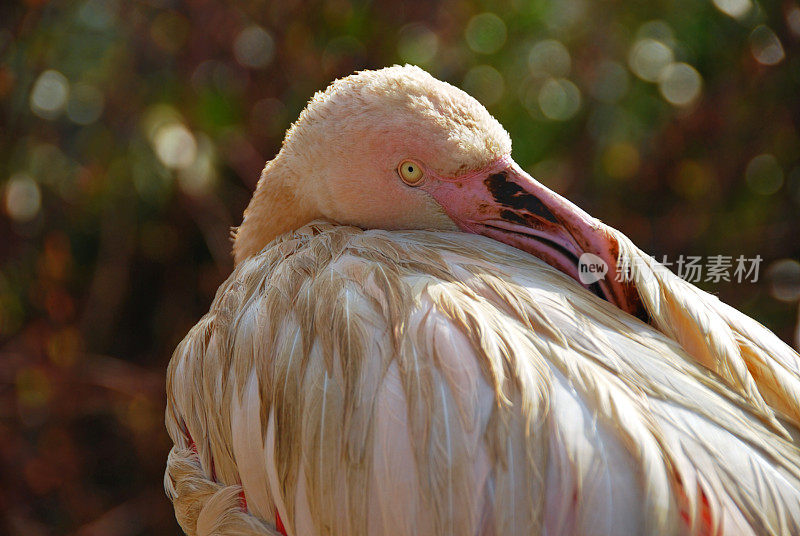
column 277, row 207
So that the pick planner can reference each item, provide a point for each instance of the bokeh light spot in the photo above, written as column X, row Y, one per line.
column 680, row 84
column 765, row 46
column 610, row 82
column 621, row 160
column 169, row 31
column 793, row 19
column 417, row 44
column 49, row 94
column 614, row 123
column 484, row 83
column 734, row 8
column 658, row 30
column 33, row 387
column 141, row 415
column 85, row 104
column 559, row 99
column 98, row 14
column 784, row 280
column 553, row 172
column 201, row 175
column 485, row 33
column 563, row 15
column 549, row 58
column 22, row 198
column 175, row 146
column 693, row 179
column 63, row 347
column 254, row 47
column 764, row 174
column 156, row 117
column 648, row 57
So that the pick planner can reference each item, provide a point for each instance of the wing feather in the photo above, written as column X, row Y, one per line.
column 368, row 382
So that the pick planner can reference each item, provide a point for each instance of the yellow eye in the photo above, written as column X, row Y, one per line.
column 410, row 172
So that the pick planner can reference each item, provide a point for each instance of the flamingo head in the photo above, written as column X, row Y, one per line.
column 398, row 149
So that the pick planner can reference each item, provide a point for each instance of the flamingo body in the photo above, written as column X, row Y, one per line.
column 406, row 347
column 399, row 383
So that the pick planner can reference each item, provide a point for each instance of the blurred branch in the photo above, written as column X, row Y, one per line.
column 97, row 370
column 125, row 519
column 112, row 272
column 121, row 376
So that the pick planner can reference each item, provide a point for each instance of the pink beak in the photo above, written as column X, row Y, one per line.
column 503, row 202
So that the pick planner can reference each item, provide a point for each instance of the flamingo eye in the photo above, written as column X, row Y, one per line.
column 410, row 172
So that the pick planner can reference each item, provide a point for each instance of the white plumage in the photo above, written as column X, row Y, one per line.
column 421, row 383
column 407, row 382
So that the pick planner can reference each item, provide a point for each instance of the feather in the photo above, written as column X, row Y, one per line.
column 415, row 382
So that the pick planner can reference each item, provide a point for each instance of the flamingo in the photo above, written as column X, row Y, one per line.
column 406, row 347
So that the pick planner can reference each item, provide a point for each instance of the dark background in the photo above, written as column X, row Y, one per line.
column 132, row 133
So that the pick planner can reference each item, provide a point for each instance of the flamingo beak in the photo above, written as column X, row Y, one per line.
column 503, row 202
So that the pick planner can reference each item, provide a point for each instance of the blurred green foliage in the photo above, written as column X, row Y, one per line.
column 132, row 133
